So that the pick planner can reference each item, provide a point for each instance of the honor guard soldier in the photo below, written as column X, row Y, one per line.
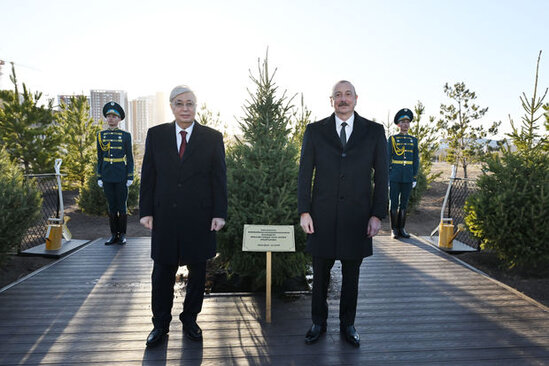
column 115, row 170
column 403, row 157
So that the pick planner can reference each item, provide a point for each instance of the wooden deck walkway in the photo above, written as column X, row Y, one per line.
column 417, row 306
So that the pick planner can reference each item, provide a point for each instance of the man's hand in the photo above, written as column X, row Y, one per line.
column 217, row 224
column 414, row 184
column 129, row 182
column 374, row 224
column 306, row 222
column 100, row 183
column 147, row 221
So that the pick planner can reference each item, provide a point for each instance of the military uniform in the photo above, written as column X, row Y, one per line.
column 403, row 155
column 115, row 172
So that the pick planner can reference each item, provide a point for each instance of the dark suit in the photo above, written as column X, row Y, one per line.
column 341, row 203
column 182, row 196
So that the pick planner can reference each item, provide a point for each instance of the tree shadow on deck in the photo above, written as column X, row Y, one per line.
column 416, row 299
column 68, row 310
column 416, row 305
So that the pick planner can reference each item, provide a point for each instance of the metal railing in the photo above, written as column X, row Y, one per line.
column 453, row 206
column 460, row 189
column 52, row 207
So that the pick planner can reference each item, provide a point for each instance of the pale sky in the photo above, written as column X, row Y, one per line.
column 394, row 52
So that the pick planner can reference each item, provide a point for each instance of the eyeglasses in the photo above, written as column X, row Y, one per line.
column 189, row 105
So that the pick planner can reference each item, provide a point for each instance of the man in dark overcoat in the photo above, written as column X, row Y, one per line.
column 341, row 211
column 183, row 200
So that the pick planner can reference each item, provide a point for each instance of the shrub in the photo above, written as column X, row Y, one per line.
column 20, row 204
column 92, row 201
column 509, row 212
column 428, row 145
column 419, row 191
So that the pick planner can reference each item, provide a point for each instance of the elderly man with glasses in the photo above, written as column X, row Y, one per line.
column 183, row 201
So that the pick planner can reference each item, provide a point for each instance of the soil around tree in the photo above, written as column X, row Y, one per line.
column 420, row 222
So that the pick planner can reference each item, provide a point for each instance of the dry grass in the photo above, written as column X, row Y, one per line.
column 473, row 171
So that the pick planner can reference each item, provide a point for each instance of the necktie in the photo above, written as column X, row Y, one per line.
column 183, row 143
column 343, row 134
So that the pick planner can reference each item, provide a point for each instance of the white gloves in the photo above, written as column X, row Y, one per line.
column 128, row 183
column 414, row 184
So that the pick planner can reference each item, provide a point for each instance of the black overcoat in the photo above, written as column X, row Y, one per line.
column 183, row 195
column 342, row 199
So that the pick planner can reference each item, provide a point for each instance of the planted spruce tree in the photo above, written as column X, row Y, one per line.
column 79, row 133
column 20, row 204
column 262, row 168
column 428, row 144
column 92, row 201
column 509, row 212
column 27, row 129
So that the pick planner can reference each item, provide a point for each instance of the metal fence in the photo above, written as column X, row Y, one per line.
column 459, row 190
column 49, row 189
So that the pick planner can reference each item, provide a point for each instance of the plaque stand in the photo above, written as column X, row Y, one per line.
column 268, row 239
column 268, row 289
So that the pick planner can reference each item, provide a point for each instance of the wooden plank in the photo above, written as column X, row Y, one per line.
column 416, row 306
column 341, row 354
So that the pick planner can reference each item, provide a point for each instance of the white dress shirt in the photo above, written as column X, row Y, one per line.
column 348, row 128
column 178, row 129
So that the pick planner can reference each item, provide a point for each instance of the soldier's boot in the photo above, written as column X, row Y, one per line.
column 402, row 224
column 113, row 223
column 394, row 225
column 122, row 225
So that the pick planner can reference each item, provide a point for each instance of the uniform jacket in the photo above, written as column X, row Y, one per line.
column 183, row 195
column 342, row 199
column 403, row 158
column 114, row 156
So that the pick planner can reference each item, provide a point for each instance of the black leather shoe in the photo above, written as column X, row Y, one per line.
column 156, row 336
column 404, row 233
column 112, row 240
column 350, row 334
column 122, row 239
column 192, row 331
column 314, row 333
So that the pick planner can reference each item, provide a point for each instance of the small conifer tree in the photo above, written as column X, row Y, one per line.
column 509, row 212
column 262, row 168
column 428, row 144
column 456, row 125
column 78, row 142
column 20, row 204
column 529, row 138
column 27, row 130
column 92, row 201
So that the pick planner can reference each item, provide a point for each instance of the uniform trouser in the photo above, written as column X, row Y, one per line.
column 117, row 196
column 400, row 195
column 163, row 280
column 349, row 290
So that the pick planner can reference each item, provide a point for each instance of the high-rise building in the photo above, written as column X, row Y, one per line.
column 141, row 117
column 66, row 99
column 146, row 112
column 160, row 107
column 98, row 98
